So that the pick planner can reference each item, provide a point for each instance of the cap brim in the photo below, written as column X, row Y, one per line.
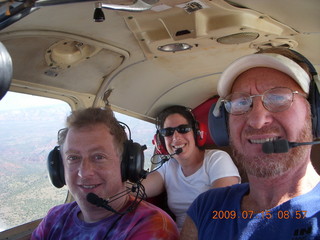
column 269, row 60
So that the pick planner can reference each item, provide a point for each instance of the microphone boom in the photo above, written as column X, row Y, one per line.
column 99, row 202
column 283, row 146
column 178, row 151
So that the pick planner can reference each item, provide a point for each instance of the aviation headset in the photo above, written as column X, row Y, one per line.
column 218, row 125
column 131, row 165
column 199, row 129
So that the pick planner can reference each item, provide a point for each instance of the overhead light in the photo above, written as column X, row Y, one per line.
column 174, row 47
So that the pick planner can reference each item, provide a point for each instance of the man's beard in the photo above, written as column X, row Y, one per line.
column 271, row 165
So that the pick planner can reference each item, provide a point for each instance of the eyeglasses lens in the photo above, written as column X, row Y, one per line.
column 238, row 103
column 274, row 100
column 277, row 99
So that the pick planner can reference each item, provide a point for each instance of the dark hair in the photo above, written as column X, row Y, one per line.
column 91, row 116
column 184, row 112
column 176, row 109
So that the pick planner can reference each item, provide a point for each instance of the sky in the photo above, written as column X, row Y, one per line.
column 14, row 100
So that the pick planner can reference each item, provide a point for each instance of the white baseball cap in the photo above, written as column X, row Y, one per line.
column 269, row 60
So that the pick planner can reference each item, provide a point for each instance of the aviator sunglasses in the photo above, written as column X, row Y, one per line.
column 274, row 100
column 166, row 132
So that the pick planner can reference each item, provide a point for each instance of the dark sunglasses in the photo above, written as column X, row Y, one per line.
column 166, row 132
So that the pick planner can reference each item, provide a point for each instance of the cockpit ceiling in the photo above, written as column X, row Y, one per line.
column 215, row 23
column 61, row 48
column 63, row 63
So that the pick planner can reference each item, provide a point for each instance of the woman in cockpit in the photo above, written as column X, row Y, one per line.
column 191, row 169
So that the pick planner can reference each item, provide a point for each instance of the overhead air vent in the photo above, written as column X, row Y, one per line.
column 238, row 38
column 183, row 32
column 277, row 42
column 64, row 54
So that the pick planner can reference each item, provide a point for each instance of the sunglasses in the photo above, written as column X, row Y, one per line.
column 274, row 100
column 166, row 132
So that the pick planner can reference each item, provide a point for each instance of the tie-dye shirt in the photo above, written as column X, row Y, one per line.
column 146, row 222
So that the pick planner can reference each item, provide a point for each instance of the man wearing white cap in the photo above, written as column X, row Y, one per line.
column 266, row 98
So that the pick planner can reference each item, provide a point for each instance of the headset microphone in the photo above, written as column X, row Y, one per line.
column 283, row 145
column 99, row 202
column 136, row 188
column 178, row 151
column 165, row 158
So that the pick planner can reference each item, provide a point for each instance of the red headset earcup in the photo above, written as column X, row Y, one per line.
column 159, row 143
column 202, row 133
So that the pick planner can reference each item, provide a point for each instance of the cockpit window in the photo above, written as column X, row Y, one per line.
column 28, row 132
column 27, row 126
column 142, row 132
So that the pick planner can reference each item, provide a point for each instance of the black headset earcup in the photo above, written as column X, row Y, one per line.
column 55, row 168
column 314, row 96
column 218, row 126
column 314, row 100
column 132, row 162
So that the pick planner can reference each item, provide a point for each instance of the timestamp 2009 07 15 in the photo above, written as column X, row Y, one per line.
column 281, row 214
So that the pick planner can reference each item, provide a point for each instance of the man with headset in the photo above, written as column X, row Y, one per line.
column 267, row 97
column 93, row 161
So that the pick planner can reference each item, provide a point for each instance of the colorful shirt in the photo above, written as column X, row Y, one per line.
column 146, row 222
